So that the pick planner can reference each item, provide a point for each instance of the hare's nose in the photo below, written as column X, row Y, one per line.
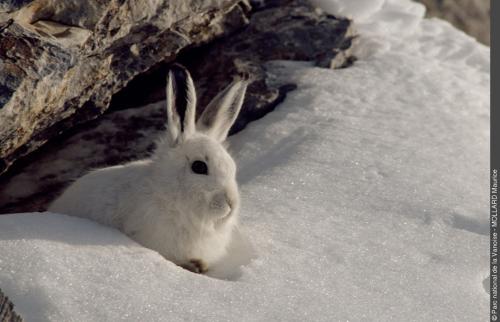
column 220, row 201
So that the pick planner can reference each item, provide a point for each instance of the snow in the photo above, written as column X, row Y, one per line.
column 358, row 10
column 364, row 198
column 398, row 26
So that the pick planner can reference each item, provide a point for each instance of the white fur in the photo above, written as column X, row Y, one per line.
column 160, row 202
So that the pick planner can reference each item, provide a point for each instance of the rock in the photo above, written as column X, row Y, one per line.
column 7, row 313
column 288, row 30
column 471, row 16
column 292, row 30
column 61, row 61
column 295, row 31
column 12, row 5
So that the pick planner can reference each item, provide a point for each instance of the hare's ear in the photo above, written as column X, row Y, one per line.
column 220, row 114
column 181, row 104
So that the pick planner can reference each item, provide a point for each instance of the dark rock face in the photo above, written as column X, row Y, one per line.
column 277, row 30
column 61, row 61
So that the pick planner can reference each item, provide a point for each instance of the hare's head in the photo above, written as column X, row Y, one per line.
column 192, row 160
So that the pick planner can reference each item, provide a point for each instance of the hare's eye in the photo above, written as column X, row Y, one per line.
column 199, row 167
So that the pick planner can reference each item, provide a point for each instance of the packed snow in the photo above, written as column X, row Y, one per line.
column 364, row 199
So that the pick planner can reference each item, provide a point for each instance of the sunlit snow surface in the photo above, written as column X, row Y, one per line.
column 364, row 196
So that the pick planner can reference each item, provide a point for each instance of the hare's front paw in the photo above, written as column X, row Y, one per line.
column 195, row 266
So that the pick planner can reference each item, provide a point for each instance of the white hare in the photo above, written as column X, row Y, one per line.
column 182, row 202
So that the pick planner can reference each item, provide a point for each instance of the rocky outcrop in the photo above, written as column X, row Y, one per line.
column 7, row 313
column 61, row 61
column 472, row 16
column 277, row 30
column 295, row 31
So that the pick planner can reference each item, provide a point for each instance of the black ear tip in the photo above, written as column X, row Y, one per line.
column 179, row 73
column 244, row 76
column 177, row 68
